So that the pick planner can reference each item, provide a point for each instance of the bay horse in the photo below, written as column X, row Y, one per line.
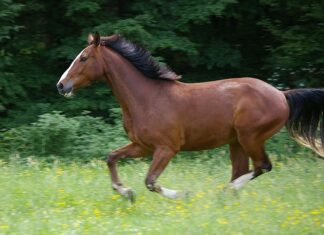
column 163, row 116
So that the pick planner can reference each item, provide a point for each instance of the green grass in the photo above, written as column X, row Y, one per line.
column 77, row 199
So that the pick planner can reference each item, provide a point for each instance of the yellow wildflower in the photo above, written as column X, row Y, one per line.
column 4, row 226
column 97, row 212
column 315, row 212
column 222, row 221
column 59, row 171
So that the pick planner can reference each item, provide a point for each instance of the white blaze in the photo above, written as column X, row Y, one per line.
column 67, row 71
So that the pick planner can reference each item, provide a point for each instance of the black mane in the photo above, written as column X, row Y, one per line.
column 139, row 57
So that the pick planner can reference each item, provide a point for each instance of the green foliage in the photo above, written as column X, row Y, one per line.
column 167, row 30
column 283, row 146
column 9, row 11
column 297, row 32
column 55, row 135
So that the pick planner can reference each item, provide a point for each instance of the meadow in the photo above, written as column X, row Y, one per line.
column 76, row 198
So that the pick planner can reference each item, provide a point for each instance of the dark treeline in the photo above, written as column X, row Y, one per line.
column 279, row 41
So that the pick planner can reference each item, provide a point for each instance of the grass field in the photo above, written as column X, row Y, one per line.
column 77, row 199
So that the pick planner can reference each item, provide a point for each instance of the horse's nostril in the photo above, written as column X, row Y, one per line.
column 60, row 86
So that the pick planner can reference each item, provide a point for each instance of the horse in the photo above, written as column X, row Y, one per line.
column 163, row 116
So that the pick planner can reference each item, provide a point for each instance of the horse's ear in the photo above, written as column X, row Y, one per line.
column 94, row 39
column 90, row 39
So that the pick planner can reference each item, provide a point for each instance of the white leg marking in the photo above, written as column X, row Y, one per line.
column 120, row 189
column 169, row 193
column 67, row 71
column 241, row 181
column 125, row 192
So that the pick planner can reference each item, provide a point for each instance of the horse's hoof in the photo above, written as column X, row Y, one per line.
column 231, row 190
column 130, row 195
column 184, row 194
column 179, row 195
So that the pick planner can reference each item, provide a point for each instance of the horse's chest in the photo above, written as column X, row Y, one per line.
column 128, row 126
column 146, row 133
column 133, row 129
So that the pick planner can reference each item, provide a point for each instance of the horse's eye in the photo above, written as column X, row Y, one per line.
column 83, row 58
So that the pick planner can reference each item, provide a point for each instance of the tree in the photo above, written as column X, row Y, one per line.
column 8, row 92
column 296, row 49
column 274, row 40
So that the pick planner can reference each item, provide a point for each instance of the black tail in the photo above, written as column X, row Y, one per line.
column 306, row 119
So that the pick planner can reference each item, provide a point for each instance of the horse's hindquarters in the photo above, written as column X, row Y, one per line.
column 219, row 112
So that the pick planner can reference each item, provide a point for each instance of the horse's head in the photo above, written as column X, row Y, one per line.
column 86, row 68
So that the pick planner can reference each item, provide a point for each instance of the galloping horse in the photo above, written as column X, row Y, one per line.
column 163, row 116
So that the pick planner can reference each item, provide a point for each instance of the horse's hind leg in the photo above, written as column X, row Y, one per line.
column 239, row 159
column 253, row 145
column 254, row 148
column 261, row 161
column 240, row 166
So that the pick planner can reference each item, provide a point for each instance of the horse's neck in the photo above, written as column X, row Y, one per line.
column 133, row 91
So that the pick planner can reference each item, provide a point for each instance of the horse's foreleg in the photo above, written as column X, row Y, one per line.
column 161, row 158
column 130, row 150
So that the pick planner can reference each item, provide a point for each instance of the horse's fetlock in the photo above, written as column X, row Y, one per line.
column 116, row 186
column 150, row 187
column 267, row 167
column 150, row 184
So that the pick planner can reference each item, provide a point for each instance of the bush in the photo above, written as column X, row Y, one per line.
column 54, row 134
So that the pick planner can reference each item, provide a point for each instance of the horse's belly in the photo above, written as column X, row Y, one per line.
column 207, row 138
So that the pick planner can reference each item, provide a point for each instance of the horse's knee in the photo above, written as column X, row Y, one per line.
column 111, row 159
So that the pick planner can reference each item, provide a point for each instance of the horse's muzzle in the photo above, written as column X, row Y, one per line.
column 67, row 91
